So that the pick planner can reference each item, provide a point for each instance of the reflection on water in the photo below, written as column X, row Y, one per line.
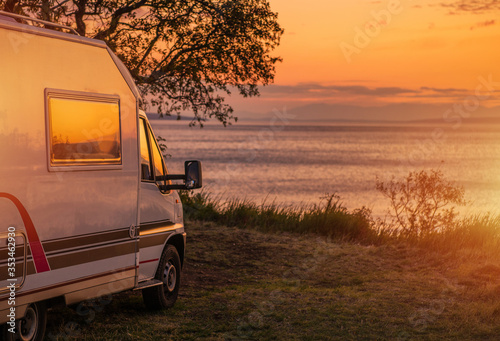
column 300, row 164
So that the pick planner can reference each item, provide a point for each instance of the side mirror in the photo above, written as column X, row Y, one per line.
column 192, row 177
column 193, row 174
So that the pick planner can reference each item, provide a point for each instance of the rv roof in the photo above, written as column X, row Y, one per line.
column 7, row 16
column 24, row 28
column 14, row 25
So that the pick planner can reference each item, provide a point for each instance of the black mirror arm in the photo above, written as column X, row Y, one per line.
column 171, row 187
column 192, row 178
column 171, row 177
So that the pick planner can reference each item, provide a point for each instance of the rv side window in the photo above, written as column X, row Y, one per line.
column 84, row 130
column 159, row 166
column 146, row 166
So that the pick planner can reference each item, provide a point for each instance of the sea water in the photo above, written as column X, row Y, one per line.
column 298, row 164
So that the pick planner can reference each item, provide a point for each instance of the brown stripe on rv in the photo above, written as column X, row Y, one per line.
column 119, row 244
column 80, row 257
column 91, row 255
column 84, row 240
column 4, row 273
column 71, row 243
column 30, row 268
column 153, row 240
column 19, row 270
column 145, row 228
column 78, row 280
column 4, row 253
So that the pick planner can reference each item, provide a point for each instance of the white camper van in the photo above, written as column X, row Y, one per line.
column 87, row 207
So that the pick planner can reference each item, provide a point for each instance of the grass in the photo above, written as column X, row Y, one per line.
column 265, row 272
column 329, row 218
column 245, row 284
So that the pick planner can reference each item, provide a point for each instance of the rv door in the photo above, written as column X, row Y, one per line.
column 157, row 207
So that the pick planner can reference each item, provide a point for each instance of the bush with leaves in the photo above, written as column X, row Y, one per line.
column 422, row 203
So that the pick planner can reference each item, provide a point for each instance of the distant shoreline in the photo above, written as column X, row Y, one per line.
column 470, row 120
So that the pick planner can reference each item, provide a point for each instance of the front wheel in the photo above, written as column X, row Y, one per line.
column 31, row 327
column 169, row 272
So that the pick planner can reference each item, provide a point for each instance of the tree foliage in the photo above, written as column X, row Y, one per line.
column 422, row 202
column 472, row 6
column 183, row 54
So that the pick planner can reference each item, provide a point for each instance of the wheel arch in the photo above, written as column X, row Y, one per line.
column 179, row 242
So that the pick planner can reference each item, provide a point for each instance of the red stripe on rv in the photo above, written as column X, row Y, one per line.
column 149, row 261
column 39, row 258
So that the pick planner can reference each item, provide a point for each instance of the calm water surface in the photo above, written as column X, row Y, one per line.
column 298, row 164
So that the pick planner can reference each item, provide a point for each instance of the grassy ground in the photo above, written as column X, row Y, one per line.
column 244, row 284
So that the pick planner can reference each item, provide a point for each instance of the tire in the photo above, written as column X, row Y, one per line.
column 169, row 272
column 31, row 327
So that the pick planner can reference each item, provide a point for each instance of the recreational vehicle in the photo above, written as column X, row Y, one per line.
column 87, row 206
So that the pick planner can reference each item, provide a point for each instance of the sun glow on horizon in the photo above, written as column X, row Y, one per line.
column 392, row 44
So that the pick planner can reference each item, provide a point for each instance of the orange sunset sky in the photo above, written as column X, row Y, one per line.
column 408, row 51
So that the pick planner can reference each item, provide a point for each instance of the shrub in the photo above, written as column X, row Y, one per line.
column 422, row 203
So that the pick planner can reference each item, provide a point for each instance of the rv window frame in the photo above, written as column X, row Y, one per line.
column 144, row 124
column 154, row 144
column 80, row 96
